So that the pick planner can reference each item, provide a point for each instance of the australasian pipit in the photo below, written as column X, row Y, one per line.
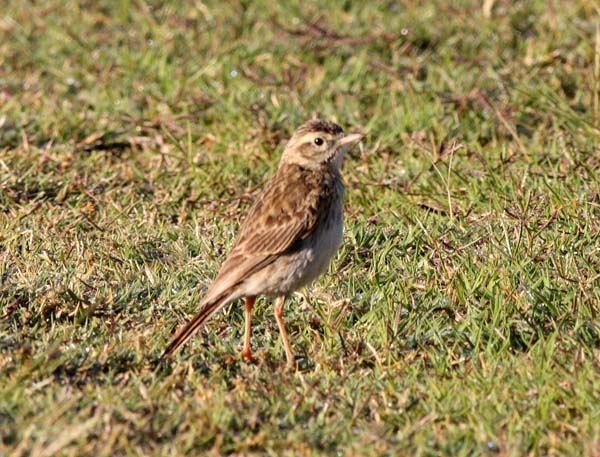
column 290, row 234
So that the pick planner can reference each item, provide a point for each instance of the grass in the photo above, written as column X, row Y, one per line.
column 459, row 318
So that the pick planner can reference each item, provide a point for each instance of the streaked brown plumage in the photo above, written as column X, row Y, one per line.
column 289, row 235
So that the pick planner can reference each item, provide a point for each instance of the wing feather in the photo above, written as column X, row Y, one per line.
column 286, row 212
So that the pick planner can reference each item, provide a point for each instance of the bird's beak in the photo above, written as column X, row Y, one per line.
column 350, row 139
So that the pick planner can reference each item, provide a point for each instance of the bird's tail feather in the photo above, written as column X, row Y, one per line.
column 207, row 309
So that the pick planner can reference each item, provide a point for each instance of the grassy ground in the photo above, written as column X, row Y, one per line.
column 459, row 318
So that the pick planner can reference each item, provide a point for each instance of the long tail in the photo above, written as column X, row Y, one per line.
column 206, row 311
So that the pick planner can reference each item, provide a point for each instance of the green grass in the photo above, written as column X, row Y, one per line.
column 459, row 318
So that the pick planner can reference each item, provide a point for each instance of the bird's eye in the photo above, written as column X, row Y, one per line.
column 318, row 141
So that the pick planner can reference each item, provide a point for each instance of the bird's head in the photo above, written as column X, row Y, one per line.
column 317, row 143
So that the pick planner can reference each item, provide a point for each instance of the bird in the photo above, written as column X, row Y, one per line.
column 289, row 236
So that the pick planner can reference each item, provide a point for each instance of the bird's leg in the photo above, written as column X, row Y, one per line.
column 284, row 334
column 247, row 352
